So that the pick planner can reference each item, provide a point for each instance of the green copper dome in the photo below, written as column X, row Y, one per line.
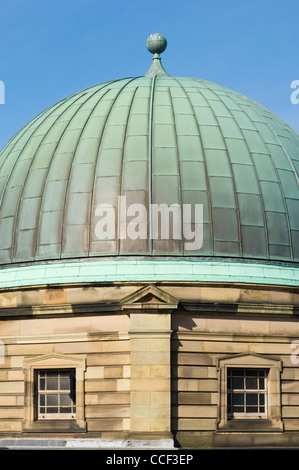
column 155, row 139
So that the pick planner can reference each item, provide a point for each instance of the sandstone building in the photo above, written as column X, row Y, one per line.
column 142, row 340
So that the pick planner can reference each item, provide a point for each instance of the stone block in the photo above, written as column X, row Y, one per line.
column 140, row 425
column 108, row 359
column 290, row 411
column 150, row 321
column 95, row 372
column 152, row 357
column 109, row 323
column 205, row 385
column 9, row 328
column 189, row 424
column 103, row 425
column 123, row 384
column 101, row 386
column 116, row 346
column 291, row 399
column 78, row 347
column 54, row 296
column 84, row 295
column 126, row 424
column 28, row 349
column 159, row 370
column 160, row 398
column 8, row 400
column 30, row 297
column 107, row 411
column 3, row 375
column 160, row 344
column 192, row 372
column 151, row 385
column 11, row 387
column 141, row 398
column 109, row 398
column 140, row 371
column 149, row 412
column 195, row 359
column 8, row 299
column 40, row 326
column 160, row 424
column 11, row 413
column 126, row 371
column 15, row 375
column 16, row 361
column 11, row 425
column 113, row 372
column 195, row 398
column 140, row 345
column 71, row 325
column 194, row 411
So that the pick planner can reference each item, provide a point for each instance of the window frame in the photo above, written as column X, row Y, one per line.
column 273, row 420
column 40, row 416
column 55, row 423
column 246, row 390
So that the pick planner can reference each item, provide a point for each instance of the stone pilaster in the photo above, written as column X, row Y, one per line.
column 150, row 334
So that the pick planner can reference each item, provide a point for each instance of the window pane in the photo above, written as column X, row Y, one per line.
column 65, row 400
column 42, row 384
column 251, row 373
column 261, row 383
column 52, row 384
column 252, row 398
column 237, row 383
column 251, row 409
column 65, row 383
column 251, row 383
column 238, row 399
column 52, row 410
column 52, row 400
column 237, row 372
column 66, row 410
column 238, row 409
column 64, row 373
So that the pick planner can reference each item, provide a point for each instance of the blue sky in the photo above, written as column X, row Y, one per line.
column 51, row 49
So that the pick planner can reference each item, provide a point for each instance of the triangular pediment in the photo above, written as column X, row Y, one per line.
column 149, row 297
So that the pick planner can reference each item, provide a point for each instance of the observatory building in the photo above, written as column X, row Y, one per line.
column 149, row 251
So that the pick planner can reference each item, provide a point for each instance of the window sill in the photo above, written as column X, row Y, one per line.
column 65, row 425
column 250, row 425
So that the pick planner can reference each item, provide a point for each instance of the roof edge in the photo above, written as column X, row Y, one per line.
column 148, row 271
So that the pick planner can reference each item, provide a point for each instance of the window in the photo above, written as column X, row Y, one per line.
column 246, row 393
column 56, row 394
column 249, row 393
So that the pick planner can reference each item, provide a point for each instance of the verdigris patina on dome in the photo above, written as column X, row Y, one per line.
column 153, row 139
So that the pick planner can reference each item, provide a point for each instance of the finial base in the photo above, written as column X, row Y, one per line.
column 156, row 44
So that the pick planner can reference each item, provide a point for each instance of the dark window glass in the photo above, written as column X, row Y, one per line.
column 246, row 393
column 56, row 393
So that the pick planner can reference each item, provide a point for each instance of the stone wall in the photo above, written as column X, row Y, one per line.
column 196, row 380
column 107, row 373
column 149, row 360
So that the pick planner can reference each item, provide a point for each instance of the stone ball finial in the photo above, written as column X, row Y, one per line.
column 156, row 43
